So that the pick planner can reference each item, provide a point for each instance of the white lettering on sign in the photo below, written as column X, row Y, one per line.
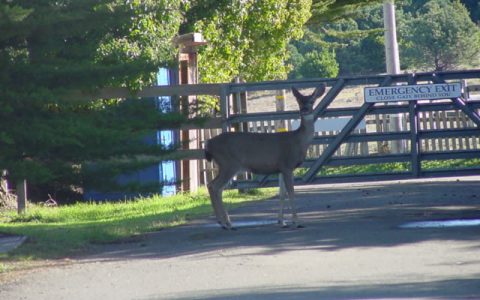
column 413, row 92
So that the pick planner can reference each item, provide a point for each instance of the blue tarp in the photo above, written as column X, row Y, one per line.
column 164, row 172
column 167, row 171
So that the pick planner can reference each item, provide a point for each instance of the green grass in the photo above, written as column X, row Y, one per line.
column 448, row 164
column 358, row 169
column 451, row 164
column 365, row 169
column 55, row 232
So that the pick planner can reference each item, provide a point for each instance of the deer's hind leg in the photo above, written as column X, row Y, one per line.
column 215, row 189
column 281, row 195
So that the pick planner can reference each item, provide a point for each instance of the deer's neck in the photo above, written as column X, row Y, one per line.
column 306, row 130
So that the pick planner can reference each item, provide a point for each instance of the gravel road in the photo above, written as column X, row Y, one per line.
column 351, row 248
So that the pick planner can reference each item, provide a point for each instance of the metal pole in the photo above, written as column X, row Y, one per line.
column 393, row 64
column 391, row 45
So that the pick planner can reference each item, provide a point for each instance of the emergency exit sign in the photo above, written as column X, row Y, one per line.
column 413, row 92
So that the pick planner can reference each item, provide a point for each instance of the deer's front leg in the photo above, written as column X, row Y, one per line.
column 288, row 179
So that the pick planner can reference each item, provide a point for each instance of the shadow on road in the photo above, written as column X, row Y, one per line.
column 415, row 290
column 400, row 291
column 336, row 217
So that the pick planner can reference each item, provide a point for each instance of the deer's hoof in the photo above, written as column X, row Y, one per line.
column 231, row 228
column 227, row 226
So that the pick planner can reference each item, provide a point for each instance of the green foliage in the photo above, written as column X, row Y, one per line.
column 350, row 29
column 450, row 164
column 327, row 11
column 319, row 64
column 248, row 38
column 51, row 49
column 441, row 36
column 432, row 34
column 312, row 57
column 61, row 231
column 10, row 14
column 362, row 43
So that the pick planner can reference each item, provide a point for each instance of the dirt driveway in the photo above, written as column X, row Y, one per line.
column 351, row 248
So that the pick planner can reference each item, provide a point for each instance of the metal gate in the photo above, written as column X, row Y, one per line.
column 419, row 140
column 432, row 129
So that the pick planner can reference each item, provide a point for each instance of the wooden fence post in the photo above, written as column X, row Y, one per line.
column 22, row 196
column 280, row 126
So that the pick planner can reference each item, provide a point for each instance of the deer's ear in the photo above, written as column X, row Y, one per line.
column 296, row 93
column 319, row 91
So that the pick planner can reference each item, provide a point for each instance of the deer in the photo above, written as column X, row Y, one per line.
column 262, row 153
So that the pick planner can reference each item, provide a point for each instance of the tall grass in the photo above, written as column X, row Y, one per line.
column 68, row 230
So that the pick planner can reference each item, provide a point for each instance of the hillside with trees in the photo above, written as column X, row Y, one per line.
column 433, row 35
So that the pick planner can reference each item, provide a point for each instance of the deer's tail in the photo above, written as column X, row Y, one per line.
column 208, row 155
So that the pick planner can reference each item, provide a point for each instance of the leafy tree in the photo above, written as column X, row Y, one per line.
column 312, row 57
column 247, row 38
column 251, row 38
column 49, row 49
column 295, row 59
column 441, row 36
column 319, row 64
